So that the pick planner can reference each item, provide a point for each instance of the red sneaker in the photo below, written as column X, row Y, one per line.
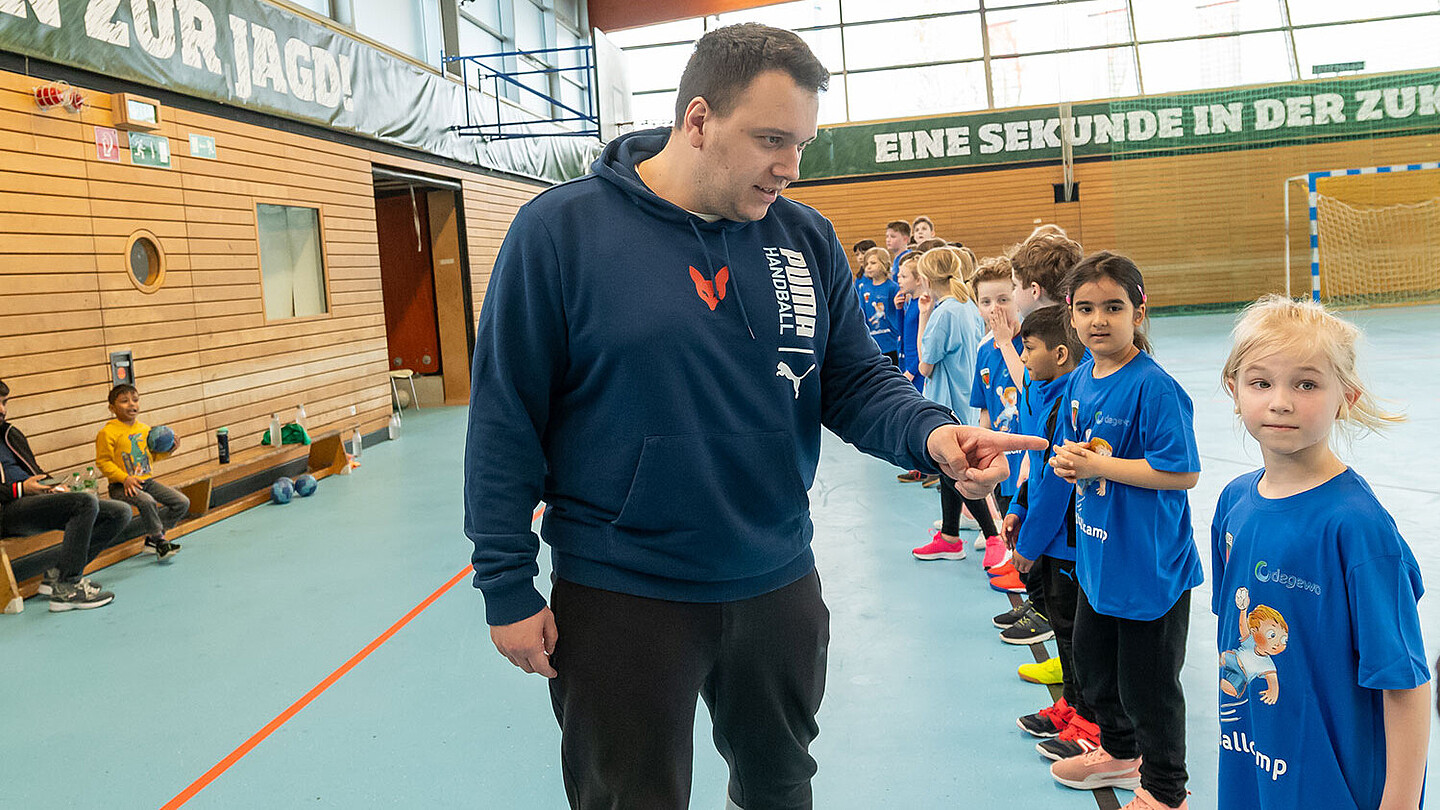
column 995, row 552
column 1002, row 569
column 912, row 477
column 1008, row 583
column 940, row 549
column 1049, row 721
column 1079, row 737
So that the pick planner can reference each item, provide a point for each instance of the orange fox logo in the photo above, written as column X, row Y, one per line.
column 711, row 292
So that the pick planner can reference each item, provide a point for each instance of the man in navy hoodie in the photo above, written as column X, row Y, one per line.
column 661, row 342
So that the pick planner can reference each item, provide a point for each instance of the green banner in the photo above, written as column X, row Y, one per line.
column 251, row 54
column 1356, row 107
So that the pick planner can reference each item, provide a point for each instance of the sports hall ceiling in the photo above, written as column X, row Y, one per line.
column 612, row 15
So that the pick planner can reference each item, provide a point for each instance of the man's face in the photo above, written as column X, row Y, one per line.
column 747, row 158
column 895, row 241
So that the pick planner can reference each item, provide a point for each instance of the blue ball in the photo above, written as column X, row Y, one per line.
column 282, row 490
column 160, row 439
column 305, row 485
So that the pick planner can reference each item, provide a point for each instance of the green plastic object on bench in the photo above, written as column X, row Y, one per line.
column 290, row 434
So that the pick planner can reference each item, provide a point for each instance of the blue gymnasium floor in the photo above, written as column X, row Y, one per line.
column 128, row 705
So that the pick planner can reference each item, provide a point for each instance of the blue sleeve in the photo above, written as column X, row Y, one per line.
column 977, row 385
column 520, row 354
column 1167, row 428
column 863, row 398
column 939, row 336
column 1217, row 555
column 1383, row 592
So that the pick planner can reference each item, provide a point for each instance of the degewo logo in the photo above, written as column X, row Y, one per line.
column 1265, row 573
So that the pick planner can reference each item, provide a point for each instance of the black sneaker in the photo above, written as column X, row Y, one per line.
column 930, row 481
column 1030, row 629
column 1043, row 723
column 165, row 551
column 82, row 595
column 1011, row 616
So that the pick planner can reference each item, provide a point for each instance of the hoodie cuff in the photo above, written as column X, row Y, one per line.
column 926, row 424
column 507, row 604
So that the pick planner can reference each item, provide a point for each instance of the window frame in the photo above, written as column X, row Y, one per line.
column 320, row 219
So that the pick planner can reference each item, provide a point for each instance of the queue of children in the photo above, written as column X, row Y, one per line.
column 1307, row 565
column 32, row 502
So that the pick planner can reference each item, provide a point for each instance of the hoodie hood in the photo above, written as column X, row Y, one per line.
column 616, row 165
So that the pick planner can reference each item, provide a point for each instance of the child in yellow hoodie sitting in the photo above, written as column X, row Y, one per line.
column 123, row 455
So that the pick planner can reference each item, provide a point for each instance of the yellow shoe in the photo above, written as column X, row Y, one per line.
column 1047, row 672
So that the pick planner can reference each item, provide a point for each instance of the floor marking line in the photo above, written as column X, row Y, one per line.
column 282, row 718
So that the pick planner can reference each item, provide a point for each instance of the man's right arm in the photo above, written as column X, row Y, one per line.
column 519, row 358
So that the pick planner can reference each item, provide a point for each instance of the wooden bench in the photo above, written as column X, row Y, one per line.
column 325, row 456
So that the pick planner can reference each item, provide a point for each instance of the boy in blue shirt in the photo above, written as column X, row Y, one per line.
column 993, row 391
column 1041, row 528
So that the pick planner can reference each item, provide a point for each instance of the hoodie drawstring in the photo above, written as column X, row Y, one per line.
column 734, row 276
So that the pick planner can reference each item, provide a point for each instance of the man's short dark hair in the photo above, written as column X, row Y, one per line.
column 899, row 226
column 122, row 388
column 728, row 59
column 4, row 389
column 863, row 245
column 1051, row 326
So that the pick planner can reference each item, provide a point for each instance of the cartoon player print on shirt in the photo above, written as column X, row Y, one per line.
column 1100, row 447
column 137, row 460
column 1263, row 634
column 1011, row 397
column 783, row 370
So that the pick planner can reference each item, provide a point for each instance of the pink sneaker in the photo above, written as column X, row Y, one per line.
column 1144, row 800
column 995, row 552
column 940, row 549
column 1097, row 769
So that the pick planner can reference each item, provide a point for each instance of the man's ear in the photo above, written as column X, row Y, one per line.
column 697, row 113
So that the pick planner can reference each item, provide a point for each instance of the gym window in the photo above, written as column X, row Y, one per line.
column 292, row 264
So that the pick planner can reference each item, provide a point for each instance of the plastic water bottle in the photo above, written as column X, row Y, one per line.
column 394, row 426
column 274, row 430
column 356, row 442
column 92, row 481
column 76, row 484
column 300, row 414
column 222, row 445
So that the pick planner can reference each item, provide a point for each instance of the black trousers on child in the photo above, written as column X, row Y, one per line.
column 630, row 670
column 950, row 501
column 1130, row 676
column 1061, row 591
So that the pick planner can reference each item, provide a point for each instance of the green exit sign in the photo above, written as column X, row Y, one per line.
column 202, row 146
column 149, row 150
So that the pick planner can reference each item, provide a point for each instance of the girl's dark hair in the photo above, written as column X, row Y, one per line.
column 1118, row 269
column 727, row 59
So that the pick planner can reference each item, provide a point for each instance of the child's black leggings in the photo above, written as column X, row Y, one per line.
column 950, row 501
column 1130, row 678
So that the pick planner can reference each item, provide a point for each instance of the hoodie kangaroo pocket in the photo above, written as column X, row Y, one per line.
column 708, row 507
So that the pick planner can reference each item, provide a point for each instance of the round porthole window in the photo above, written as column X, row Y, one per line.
column 145, row 261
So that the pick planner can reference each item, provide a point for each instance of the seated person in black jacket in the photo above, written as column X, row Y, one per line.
column 29, row 506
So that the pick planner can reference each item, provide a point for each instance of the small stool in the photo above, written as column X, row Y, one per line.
column 403, row 374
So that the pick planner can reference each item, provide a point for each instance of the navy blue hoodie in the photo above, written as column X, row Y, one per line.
column 660, row 383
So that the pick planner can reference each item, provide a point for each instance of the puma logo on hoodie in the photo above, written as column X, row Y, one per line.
column 711, row 292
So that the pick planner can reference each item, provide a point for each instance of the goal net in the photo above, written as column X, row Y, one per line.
column 1375, row 235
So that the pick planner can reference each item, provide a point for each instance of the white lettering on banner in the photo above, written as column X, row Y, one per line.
column 265, row 59
column 158, row 39
column 100, row 23
column 302, row 78
column 1137, row 126
column 240, row 38
column 46, row 11
column 197, row 36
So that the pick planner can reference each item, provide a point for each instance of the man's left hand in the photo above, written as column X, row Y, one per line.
column 975, row 457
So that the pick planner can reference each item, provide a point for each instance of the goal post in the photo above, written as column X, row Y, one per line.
column 1374, row 234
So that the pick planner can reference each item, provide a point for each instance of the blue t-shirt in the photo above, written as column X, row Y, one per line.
column 994, row 390
column 952, row 336
column 877, row 304
column 910, row 343
column 1330, row 563
column 1047, row 495
column 1135, row 547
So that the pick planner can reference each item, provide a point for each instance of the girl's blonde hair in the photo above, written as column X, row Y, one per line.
column 951, row 267
column 877, row 253
column 1276, row 324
